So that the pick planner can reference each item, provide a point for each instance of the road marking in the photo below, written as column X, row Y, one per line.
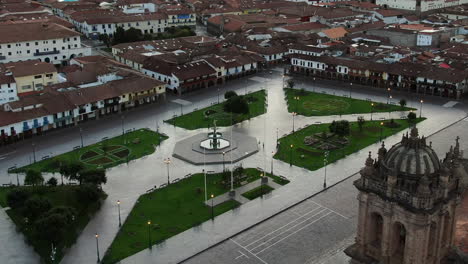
column 241, row 255
column 7, row 154
column 450, row 104
column 264, row 242
column 283, row 226
column 293, row 233
column 345, row 217
column 248, row 251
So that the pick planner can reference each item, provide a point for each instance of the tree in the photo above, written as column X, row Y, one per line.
column 236, row 104
column 17, row 197
column 51, row 227
column 71, row 170
column 402, row 103
column 411, row 117
column 104, row 38
column 229, row 94
column 52, row 181
column 33, row 177
column 340, row 128
column 360, row 122
column 88, row 193
column 35, row 206
column 93, row 176
column 68, row 212
column 291, row 84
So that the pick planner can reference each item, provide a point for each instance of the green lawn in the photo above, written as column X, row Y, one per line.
column 198, row 119
column 61, row 195
column 319, row 104
column 257, row 192
column 108, row 153
column 171, row 210
column 312, row 158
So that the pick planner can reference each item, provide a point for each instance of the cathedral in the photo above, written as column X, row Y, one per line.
column 407, row 204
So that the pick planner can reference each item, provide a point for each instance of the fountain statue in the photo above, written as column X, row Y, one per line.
column 215, row 140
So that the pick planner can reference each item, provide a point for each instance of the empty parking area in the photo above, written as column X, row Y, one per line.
column 309, row 232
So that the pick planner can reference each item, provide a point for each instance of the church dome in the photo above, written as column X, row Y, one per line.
column 412, row 157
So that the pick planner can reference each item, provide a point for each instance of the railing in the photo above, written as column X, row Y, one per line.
column 46, row 53
column 2, row 57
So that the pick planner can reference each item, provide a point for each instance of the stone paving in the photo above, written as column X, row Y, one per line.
column 127, row 181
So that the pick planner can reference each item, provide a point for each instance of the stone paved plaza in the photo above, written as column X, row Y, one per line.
column 128, row 181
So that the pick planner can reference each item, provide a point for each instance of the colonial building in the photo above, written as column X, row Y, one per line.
column 407, row 204
column 47, row 42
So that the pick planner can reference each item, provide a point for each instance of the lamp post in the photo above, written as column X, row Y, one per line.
column 81, row 136
column 118, row 205
column 149, row 234
column 371, row 110
column 296, row 98
column 212, row 206
column 261, row 184
column 34, row 152
column 290, row 155
column 293, row 115
column 167, row 161
column 390, row 97
column 224, row 167
column 272, row 154
column 218, row 95
column 350, row 88
column 97, row 248
column 122, row 117
column 381, row 128
column 325, row 160
column 313, row 87
column 420, row 109
column 388, row 94
column 277, row 137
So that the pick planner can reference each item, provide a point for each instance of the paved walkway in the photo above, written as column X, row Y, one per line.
column 239, row 191
column 127, row 182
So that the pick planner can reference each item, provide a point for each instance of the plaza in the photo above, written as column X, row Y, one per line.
column 127, row 182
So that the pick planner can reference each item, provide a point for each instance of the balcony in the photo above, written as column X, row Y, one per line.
column 46, row 53
column 2, row 57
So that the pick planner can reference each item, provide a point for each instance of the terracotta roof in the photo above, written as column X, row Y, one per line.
column 6, row 78
column 389, row 12
column 27, row 68
column 305, row 26
column 100, row 16
column 20, row 32
column 335, row 33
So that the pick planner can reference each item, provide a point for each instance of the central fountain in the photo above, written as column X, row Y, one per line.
column 215, row 140
column 212, row 147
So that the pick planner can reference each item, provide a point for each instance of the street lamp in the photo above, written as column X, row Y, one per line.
column 420, row 109
column 261, row 184
column 388, row 94
column 81, row 136
column 293, row 115
column 313, row 87
column 224, row 167
column 97, row 248
column 290, row 155
column 34, row 152
column 118, row 205
column 149, row 234
column 350, row 88
column 212, row 206
column 381, row 128
column 218, row 95
column 371, row 110
column 122, row 117
column 272, row 154
column 167, row 161
column 277, row 137
column 325, row 161
column 296, row 103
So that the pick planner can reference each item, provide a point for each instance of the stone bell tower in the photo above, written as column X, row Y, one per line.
column 407, row 200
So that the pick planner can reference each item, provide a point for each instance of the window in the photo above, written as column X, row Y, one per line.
column 74, row 38
column 28, row 51
column 37, row 43
column 37, row 76
column 8, row 46
column 39, row 86
column 9, row 53
column 27, row 44
column 26, row 87
column 49, row 75
column 53, row 41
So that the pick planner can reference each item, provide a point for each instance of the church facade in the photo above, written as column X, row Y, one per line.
column 407, row 204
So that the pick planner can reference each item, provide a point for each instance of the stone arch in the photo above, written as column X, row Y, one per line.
column 399, row 234
column 375, row 230
column 72, row 56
